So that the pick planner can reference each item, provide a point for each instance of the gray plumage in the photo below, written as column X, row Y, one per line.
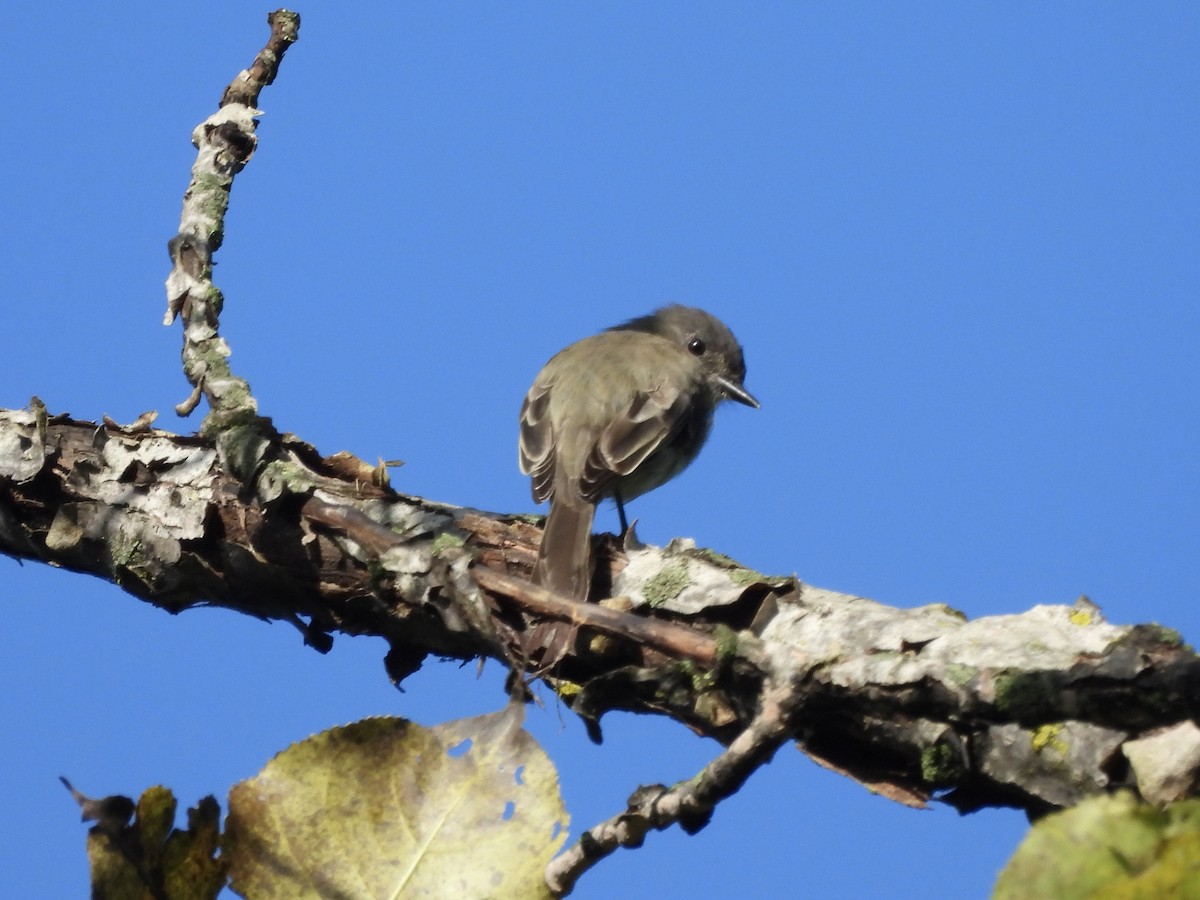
column 616, row 415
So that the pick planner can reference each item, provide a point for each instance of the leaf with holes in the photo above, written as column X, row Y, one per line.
column 388, row 808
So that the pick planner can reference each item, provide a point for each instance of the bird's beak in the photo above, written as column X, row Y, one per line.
column 736, row 392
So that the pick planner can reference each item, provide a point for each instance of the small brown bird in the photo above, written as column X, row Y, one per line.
column 616, row 415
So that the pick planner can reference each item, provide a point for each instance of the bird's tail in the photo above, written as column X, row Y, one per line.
column 564, row 562
column 564, row 566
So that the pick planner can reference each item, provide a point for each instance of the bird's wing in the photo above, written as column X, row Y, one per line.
column 537, row 441
column 651, row 420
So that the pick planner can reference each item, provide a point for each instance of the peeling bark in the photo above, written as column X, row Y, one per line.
column 1031, row 710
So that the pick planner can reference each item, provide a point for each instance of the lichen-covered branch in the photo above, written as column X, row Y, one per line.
column 225, row 140
column 1034, row 710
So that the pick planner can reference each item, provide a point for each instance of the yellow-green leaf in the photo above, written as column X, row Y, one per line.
column 1110, row 847
column 149, row 858
column 387, row 808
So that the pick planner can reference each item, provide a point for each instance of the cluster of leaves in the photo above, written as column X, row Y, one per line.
column 378, row 808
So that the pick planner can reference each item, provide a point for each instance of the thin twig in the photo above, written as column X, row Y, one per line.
column 689, row 803
column 676, row 640
column 373, row 537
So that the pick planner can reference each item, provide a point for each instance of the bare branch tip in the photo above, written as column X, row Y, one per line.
column 285, row 24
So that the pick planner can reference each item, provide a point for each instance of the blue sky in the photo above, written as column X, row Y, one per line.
column 958, row 242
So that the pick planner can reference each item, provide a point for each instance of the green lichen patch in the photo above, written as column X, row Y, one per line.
column 446, row 540
column 1081, row 616
column 727, row 642
column 717, row 559
column 667, row 584
column 959, row 675
column 1049, row 737
column 940, row 765
column 747, row 577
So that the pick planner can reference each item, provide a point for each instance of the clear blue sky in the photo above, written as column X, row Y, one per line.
column 958, row 241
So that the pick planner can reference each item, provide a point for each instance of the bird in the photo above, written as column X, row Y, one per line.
column 616, row 415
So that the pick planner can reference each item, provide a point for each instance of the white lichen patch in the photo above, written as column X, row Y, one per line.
column 1045, row 637
column 678, row 578
column 177, row 495
column 858, row 641
column 22, row 452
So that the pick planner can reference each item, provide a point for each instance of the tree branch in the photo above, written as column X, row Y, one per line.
column 689, row 803
column 1031, row 710
column 225, row 141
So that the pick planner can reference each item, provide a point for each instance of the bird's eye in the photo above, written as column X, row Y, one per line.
column 696, row 347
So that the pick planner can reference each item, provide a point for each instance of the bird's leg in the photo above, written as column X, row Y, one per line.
column 621, row 512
